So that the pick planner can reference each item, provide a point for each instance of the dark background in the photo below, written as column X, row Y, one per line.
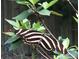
column 60, row 26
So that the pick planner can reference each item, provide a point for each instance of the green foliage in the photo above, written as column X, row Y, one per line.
column 15, row 45
column 56, row 13
column 23, row 2
column 13, row 23
column 33, row 1
column 66, row 43
column 44, row 12
column 26, row 24
column 22, row 15
column 62, row 56
column 37, row 26
column 12, row 39
column 46, row 5
column 9, row 33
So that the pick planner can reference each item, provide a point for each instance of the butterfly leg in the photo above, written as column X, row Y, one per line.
column 43, row 53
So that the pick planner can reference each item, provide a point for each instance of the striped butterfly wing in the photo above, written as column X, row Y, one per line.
column 46, row 42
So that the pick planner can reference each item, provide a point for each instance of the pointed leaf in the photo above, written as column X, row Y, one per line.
column 9, row 33
column 45, row 5
column 23, row 2
column 36, row 25
column 12, row 39
column 41, row 29
column 45, row 12
column 66, row 43
column 25, row 24
column 22, row 15
column 56, row 13
column 52, row 3
column 13, row 23
column 33, row 1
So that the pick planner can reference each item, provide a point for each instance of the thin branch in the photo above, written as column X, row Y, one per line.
column 72, row 6
column 48, row 30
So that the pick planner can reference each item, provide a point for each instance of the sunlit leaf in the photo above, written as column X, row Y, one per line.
column 25, row 24
column 9, row 33
column 37, row 26
column 52, row 3
column 23, row 2
column 41, row 29
column 33, row 1
column 66, row 43
column 56, row 13
column 13, row 23
column 11, row 39
column 46, row 5
column 45, row 12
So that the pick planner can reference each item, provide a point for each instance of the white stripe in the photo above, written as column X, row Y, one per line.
column 41, row 37
column 44, row 46
column 32, row 33
column 63, row 50
column 25, row 31
column 34, row 41
column 19, row 31
column 51, row 41
column 58, row 44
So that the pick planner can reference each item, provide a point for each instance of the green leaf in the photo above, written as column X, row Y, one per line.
column 45, row 12
column 22, row 15
column 62, row 56
column 9, row 33
column 15, row 45
column 73, row 52
column 23, row 2
column 27, row 24
column 13, row 23
column 33, row 1
column 52, row 3
column 41, row 29
column 12, row 39
column 56, row 13
column 46, row 5
column 37, row 26
column 66, row 43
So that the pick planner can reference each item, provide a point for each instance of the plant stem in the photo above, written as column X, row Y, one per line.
column 48, row 30
column 72, row 6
